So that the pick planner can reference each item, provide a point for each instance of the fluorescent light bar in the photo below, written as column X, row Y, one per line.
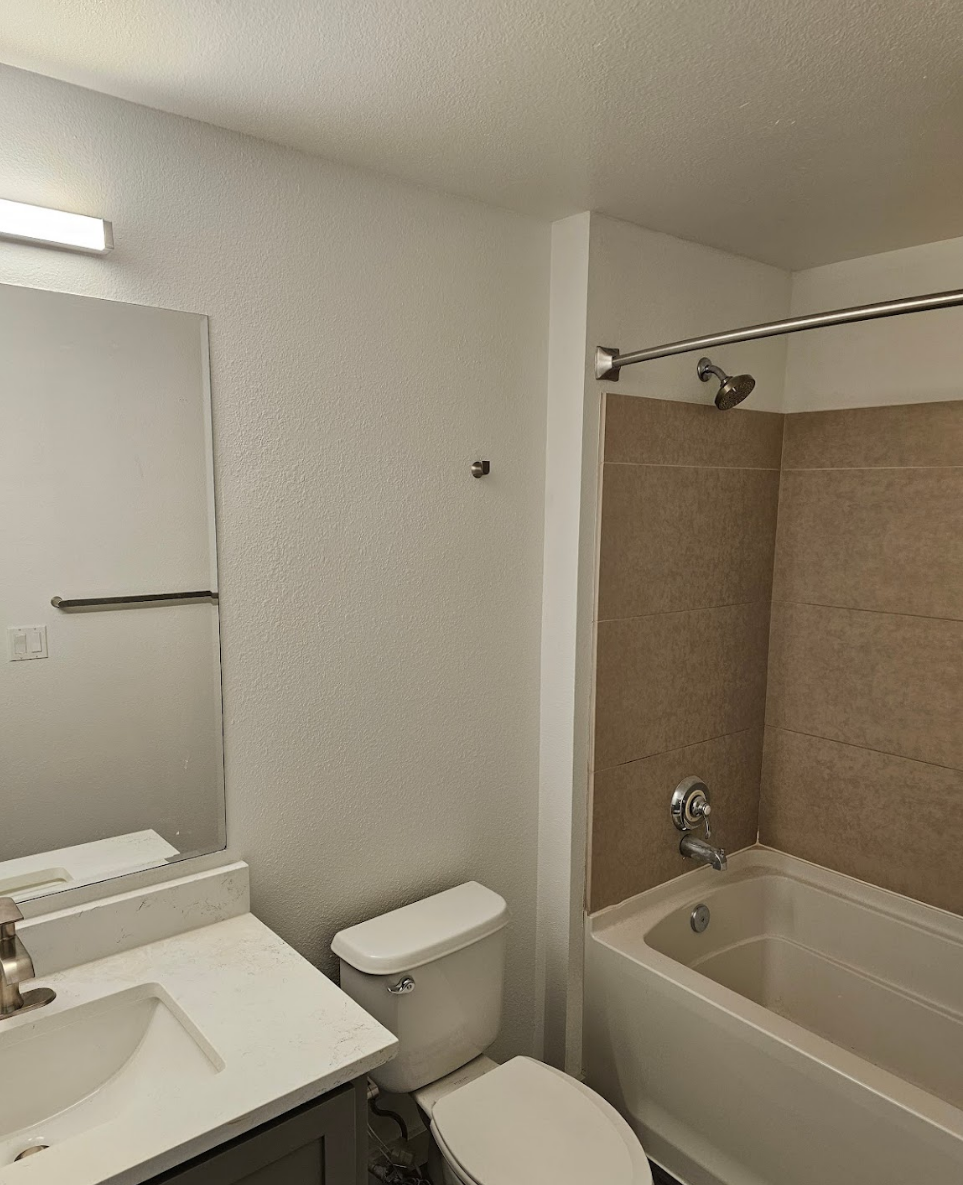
column 54, row 228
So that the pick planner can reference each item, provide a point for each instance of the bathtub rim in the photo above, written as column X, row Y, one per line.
column 654, row 904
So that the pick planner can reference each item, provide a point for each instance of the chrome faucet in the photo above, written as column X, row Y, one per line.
column 705, row 853
column 16, row 966
column 690, row 809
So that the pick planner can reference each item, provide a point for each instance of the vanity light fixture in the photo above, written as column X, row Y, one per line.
column 54, row 228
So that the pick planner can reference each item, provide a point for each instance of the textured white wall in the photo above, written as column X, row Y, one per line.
column 561, row 828
column 105, row 489
column 647, row 288
column 380, row 608
column 910, row 359
column 640, row 288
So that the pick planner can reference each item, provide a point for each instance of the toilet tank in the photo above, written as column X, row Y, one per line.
column 431, row 973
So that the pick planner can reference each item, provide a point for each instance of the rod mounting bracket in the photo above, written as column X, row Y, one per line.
column 605, row 367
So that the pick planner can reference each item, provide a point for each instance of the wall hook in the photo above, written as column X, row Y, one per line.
column 481, row 468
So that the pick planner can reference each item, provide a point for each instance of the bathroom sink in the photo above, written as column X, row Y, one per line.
column 166, row 1042
column 69, row 1071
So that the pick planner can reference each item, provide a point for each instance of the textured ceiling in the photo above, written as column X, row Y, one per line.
column 793, row 132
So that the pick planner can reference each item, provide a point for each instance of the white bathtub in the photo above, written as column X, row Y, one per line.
column 812, row 1035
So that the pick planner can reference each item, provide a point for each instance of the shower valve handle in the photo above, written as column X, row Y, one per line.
column 690, row 805
column 690, row 809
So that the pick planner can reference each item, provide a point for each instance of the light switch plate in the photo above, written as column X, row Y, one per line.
column 25, row 642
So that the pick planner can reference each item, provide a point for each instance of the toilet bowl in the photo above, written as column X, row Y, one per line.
column 525, row 1122
column 432, row 973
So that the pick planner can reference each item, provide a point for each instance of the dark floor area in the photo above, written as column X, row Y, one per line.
column 661, row 1177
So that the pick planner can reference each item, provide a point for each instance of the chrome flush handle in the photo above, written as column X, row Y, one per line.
column 402, row 987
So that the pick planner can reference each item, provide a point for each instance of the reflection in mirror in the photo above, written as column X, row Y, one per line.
column 110, row 746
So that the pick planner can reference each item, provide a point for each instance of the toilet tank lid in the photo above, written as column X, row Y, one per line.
column 423, row 931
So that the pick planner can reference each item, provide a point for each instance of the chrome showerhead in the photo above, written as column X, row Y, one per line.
column 732, row 388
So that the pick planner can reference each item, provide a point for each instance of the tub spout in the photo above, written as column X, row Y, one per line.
column 705, row 853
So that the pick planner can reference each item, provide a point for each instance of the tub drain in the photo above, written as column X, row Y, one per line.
column 30, row 1151
column 699, row 918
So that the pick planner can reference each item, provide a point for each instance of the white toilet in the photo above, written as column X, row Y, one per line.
column 432, row 973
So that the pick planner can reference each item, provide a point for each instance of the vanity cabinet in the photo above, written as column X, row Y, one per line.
column 323, row 1142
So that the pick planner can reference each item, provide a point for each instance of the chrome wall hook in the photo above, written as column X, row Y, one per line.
column 481, row 468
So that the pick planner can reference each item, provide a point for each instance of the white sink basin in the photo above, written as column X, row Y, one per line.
column 160, row 1050
column 69, row 1071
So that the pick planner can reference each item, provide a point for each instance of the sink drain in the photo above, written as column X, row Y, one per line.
column 30, row 1151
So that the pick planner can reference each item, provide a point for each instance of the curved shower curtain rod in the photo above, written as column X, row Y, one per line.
column 608, row 360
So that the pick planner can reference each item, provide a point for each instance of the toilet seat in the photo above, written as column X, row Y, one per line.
column 525, row 1121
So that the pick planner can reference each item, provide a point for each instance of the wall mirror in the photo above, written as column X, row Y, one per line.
column 110, row 744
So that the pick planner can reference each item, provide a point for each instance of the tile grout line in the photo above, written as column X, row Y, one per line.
column 677, row 612
column 761, row 794
column 852, row 609
column 670, row 465
column 867, row 468
column 788, row 468
column 815, row 736
column 680, row 748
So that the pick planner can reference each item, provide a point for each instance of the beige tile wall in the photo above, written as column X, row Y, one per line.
column 863, row 767
column 689, row 500
column 859, row 679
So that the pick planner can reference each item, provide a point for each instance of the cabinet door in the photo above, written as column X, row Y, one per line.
column 317, row 1144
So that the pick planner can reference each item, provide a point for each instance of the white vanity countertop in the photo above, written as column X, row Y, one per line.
column 284, row 1032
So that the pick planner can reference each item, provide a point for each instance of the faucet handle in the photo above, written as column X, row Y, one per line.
column 690, row 804
column 16, row 966
column 9, row 913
